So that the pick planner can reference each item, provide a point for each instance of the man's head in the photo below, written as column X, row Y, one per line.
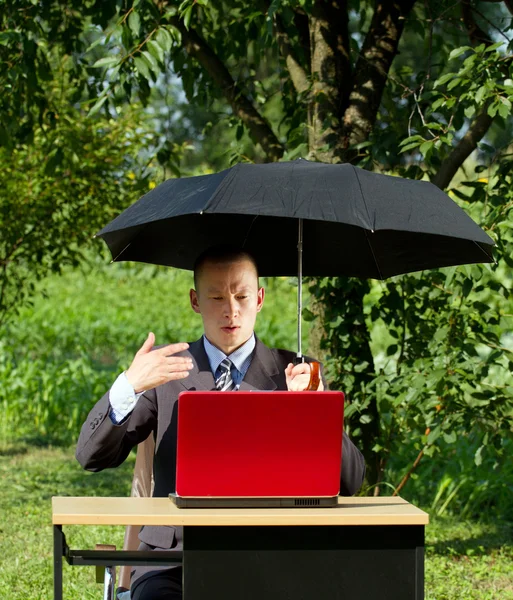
column 227, row 296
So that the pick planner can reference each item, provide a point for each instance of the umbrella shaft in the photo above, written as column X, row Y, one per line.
column 299, row 287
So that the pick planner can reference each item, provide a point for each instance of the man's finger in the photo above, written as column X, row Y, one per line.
column 178, row 364
column 148, row 344
column 171, row 349
column 178, row 360
column 300, row 369
column 177, row 375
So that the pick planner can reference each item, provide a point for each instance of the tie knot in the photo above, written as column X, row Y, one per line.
column 226, row 365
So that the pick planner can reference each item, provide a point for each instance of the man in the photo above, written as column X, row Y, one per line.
column 142, row 401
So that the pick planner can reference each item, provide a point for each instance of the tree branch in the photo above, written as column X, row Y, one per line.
column 481, row 123
column 463, row 149
column 298, row 75
column 331, row 74
column 371, row 72
column 259, row 128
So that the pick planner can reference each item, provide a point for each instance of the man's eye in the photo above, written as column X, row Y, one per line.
column 241, row 297
column 217, row 297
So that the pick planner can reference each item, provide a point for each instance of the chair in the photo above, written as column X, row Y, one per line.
column 142, row 486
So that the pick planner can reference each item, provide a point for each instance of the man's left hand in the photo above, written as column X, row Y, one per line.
column 298, row 377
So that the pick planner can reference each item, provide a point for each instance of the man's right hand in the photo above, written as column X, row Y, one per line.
column 152, row 368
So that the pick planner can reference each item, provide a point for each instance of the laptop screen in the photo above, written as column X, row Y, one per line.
column 259, row 444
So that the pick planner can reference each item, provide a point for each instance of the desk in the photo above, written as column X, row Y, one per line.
column 364, row 548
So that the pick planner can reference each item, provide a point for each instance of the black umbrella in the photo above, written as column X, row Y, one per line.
column 348, row 221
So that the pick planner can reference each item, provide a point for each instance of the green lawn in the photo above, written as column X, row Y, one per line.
column 464, row 560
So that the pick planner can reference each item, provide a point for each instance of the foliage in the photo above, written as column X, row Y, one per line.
column 57, row 191
column 446, row 358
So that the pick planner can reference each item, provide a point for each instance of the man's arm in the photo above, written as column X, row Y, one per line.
column 353, row 468
column 104, row 442
column 353, row 463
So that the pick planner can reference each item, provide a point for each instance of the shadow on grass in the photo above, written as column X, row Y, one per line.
column 479, row 540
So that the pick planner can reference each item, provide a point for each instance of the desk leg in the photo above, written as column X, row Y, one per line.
column 302, row 563
column 58, row 553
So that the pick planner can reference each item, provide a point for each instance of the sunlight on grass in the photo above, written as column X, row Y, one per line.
column 464, row 560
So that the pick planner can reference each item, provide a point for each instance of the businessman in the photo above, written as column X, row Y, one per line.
column 143, row 400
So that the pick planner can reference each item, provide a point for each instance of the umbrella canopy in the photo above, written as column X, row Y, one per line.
column 355, row 222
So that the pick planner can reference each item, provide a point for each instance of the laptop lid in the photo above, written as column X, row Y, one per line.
column 259, row 444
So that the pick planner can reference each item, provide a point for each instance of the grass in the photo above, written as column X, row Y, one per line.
column 464, row 560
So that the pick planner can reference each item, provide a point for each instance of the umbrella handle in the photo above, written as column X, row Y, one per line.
column 315, row 376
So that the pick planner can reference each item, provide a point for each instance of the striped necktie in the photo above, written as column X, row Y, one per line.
column 224, row 383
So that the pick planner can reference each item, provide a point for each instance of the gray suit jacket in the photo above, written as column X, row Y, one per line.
column 102, row 444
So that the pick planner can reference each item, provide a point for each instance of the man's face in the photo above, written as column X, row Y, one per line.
column 228, row 299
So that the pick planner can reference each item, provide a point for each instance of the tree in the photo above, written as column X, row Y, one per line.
column 72, row 178
column 400, row 87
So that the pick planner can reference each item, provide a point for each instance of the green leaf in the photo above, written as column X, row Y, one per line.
column 495, row 46
column 151, row 62
column 480, row 94
column 425, row 148
column 444, row 79
column 478, row 456
column 455, row 82
column 142, row 67
column 187, row 17
column 504, row 111
column 410, row 147
column 134, row 22
column 106, row 61
column 459, row 51
column 97, row 105
column 467, row 287
column 450, row 438
column 164, row 39
column 156, row 50
column 392, row 349
column 492, row 110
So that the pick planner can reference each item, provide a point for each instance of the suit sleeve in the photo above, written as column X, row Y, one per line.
column 353, row 468
column 104, row 444
column 353, row 463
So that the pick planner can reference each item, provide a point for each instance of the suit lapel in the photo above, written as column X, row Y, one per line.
column 262, row 374
column 200, row 378
column 263, row 370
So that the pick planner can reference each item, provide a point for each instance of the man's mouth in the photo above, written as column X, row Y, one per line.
column 230, row 329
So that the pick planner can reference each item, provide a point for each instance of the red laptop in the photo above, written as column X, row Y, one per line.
column 252, row 448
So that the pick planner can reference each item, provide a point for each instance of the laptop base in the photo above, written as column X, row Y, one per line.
column 253, row 502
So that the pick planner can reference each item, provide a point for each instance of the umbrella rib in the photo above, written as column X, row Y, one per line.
column 249, row 230
column 371, row 225
column 485, row 252
column 373, row 255
column 115, row 258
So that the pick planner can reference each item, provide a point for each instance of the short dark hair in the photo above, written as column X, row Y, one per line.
column 222, row 254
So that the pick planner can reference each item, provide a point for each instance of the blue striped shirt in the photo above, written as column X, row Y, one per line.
column 241, row 359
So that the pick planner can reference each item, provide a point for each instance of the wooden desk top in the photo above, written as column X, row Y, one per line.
column 162, row 511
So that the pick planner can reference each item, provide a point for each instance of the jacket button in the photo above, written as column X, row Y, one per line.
column 92, row 425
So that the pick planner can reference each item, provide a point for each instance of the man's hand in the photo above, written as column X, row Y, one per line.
column 152, row 368
column 298, row 377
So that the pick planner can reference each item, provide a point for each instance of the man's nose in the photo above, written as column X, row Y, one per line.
column 231, row 307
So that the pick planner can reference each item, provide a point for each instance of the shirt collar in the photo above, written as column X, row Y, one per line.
column 239, row 357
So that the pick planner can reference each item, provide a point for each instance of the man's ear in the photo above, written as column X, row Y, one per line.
column 193, row 297
column 260, row 299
